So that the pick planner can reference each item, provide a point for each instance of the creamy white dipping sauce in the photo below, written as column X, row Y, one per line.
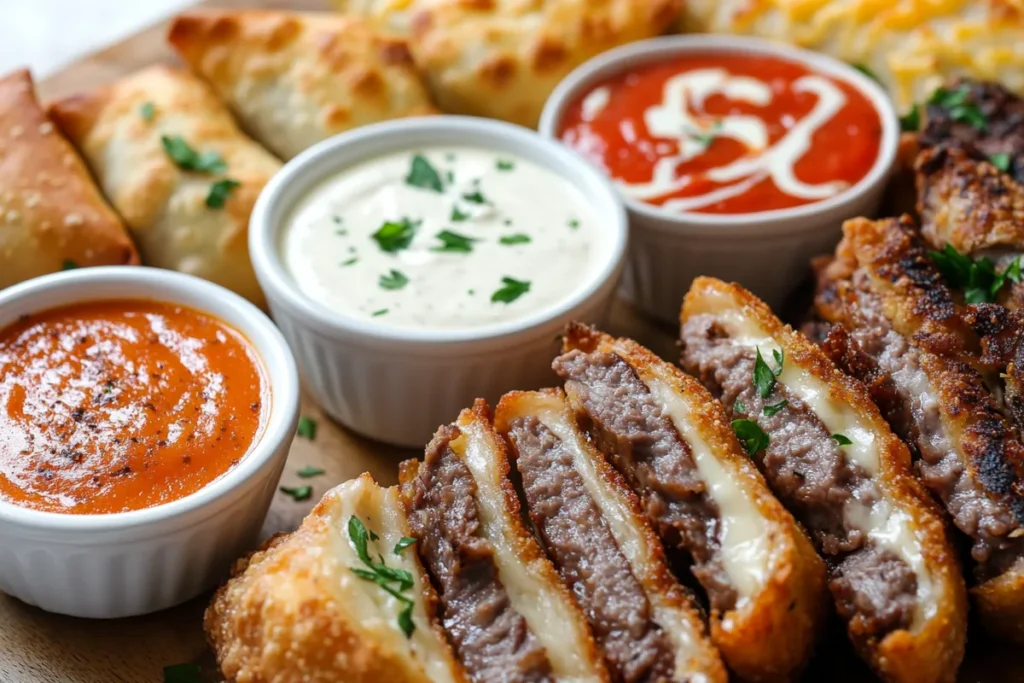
column 443, row 238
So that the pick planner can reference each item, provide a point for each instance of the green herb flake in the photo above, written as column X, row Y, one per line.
column 449, row 177
column 739, row 407
column 220, row 191
column 864, row 69
column 453, row 242
column 381, row 574
column 764, row 376
column 510, row 290
column 393, row 236
column 351, row 261
column 574, row 224
column 504, row 165
column 458, row 216
column 308, row 472
column 750, row 435
column 475, row 197
column 373, row 536
column 183, row 673
column 518, row 238
column 379, row 313
column 396, row 279
column 188, row 159
column 147, row 111
column 336, row 219
column 298, row 493
column 423, row 175
column 405, row 619
column 977, row 278
column 68, row 264
column 307, row 428
column 774, row 408
column 911, row 121
column 957, row 105
column 841, row 439
column 1000, row 161
column 402, row 544
column 341, row 232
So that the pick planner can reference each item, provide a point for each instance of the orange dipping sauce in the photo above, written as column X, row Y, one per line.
column 111, row 406
column 726, row 134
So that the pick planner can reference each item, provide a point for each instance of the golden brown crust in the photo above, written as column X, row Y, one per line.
column 502, row 58
column 772, row 636
column 934, row 650
column 51, row 213
column 294, row 79
column 293, row 611
column 165, row 207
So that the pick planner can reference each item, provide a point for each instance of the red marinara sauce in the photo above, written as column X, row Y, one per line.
column 614, row 133
column 111, row 406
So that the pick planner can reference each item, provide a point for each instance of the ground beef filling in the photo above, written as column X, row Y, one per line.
column 644, row 445
column 984, row 518
column 491, row 638
column 874, row 590
column 586, row 554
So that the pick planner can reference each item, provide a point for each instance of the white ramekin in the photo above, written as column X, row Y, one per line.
column 129, row 563
column 396, row 385
column 767, row 251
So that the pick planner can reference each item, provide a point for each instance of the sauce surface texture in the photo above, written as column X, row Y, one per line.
column 726, row 134
column 112, row 406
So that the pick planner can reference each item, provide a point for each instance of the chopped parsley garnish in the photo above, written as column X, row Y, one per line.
column 351, row 261
column 402, row 544
column 336, row 219
column 510, row 290
column 911, row 121
column 422, row 174
column 864, row 69
column 956, row 104
column 454, row 242
column 183, row 673
column 764, row 376
column 518, row 238
column 307, row 428
column 475, row 197
column 1000, row 161
column 505, row 165
column 341, row 232
column 574, row 224
column 773, row 408
column 458, row 216
column 308, row 472
column 188, row 159
column 299, row 493
column 841, row 439
column 396, row 235
column 979, row 279
column 396, row 279
column 392, row 580
column 750, row 435
column 450, row 177
column 471, row 292
column 704, row 138
column 147, row 111
column 68, row 264
column 378, row 313
column 738, row 407
column 220, row 191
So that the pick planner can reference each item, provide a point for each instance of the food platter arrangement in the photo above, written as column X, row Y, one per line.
column 695, row 327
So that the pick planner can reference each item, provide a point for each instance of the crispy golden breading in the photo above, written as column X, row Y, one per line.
column 932, row 646
column 502, row 58
column 295, row 610
column 119, row 128
column 670, row 606
column 52, row 215
column 900, row 313
column 913, row 46
column 771, row 634
column 294, row 79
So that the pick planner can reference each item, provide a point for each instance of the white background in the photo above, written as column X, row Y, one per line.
column 47, row 34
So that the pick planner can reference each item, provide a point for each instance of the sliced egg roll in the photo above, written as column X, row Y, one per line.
column 294, row 78
column 671, row 442
column 831, row 458
column 343, row 598
column 896, row 310
column 604, row 548
column 502, row 604
column 171, row 160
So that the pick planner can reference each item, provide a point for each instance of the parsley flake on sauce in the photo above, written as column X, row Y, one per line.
column 394, row 236
column 298, row 493
column 841, row 439
column 351, row 261
column 188, row 159
column 750, row 435
column 391, row 580
column 957, row 105
column 220, row 191
column 574, row 224
column 183, row 673
column 379, row 313
column 458, row 216
column 147, row 111
column 453, row 242
column 307, row 428
column 308, row 472
column 773, row 408
column 1000, row 161
column 518, row 238
column 504, row 165
column 979, row 279
column 475, row 197
column 423, row 174
column 396, row 279
column 510, row 290
column 402, row 544
column 704, row 138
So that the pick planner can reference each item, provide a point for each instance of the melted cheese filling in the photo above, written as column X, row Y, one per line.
column 546, row 610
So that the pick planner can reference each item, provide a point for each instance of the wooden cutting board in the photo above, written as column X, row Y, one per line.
column 36, row 647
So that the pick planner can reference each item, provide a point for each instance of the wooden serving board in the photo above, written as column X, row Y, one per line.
column 36, row 647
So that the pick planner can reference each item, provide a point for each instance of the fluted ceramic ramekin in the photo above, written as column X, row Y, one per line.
column 398, row 385
column 766, row 251
column 130, row 563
